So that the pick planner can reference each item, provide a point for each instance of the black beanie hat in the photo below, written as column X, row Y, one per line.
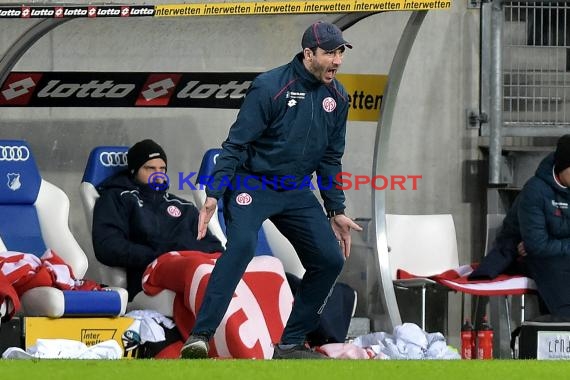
column 562, row 154
column 143, row 151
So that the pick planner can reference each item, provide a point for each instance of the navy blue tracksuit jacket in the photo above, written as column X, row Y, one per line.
column 290, row 125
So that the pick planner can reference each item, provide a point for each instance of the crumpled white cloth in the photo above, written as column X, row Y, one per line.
column 66, row 349
column 408, row 341
column 147, row 324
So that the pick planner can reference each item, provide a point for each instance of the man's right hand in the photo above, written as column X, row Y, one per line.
column 206, row 213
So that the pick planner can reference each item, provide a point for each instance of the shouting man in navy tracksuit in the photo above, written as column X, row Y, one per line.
column 292, row 123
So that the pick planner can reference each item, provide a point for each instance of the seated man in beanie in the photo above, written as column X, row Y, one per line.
column 134, row 223
column 535, row 235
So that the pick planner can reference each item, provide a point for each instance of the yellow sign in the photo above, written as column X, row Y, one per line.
column 296, row 7
column 365, row 94
column 90, row 331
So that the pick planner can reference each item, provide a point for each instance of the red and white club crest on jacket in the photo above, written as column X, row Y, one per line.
column 174, row 211
column 243, row 199
column 329, row 104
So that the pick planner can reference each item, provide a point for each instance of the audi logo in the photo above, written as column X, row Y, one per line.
column 110, row 159
column 14, row 153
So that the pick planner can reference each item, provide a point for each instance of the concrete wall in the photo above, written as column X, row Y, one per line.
column 429, row 133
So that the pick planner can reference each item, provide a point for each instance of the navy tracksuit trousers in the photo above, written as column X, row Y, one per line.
column 300, row 218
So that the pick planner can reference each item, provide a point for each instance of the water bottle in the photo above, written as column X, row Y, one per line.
column 467, row 341
column 485, row 340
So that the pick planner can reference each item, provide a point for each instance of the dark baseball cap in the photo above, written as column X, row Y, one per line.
column 325, row 35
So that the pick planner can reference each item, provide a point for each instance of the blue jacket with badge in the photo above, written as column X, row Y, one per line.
column 544, row 220
column 289, row 126
column 540, row 218
column 133, row 225
column 543, row 214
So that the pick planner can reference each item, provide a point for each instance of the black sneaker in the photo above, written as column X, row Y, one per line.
column 298, row 351
column 195, row 347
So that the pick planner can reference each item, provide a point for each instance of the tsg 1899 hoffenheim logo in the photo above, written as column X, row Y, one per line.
column 14, row 181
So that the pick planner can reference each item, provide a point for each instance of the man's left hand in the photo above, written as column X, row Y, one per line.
column 341, row 225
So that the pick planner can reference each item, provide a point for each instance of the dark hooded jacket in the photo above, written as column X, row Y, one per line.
column 544, row 219
column 543, row 214
column 289, row 126
column 133, row 225
column 539, row 217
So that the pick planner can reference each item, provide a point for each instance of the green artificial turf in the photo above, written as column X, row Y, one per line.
column 285, row 369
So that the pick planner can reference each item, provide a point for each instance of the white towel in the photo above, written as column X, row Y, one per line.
column 66, row 349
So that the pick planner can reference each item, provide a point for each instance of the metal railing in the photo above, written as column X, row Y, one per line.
column 534, row 65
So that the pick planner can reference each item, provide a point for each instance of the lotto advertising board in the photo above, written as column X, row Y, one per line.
column 191, row 90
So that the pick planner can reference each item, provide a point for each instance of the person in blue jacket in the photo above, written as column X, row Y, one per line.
column 544, row 219
column 292, row 124
column 535, row 237
column 134, row 222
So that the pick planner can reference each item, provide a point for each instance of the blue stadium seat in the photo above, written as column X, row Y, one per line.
column 103, row 162
column 33, row 217
column 270, row 240
column 206, row 170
